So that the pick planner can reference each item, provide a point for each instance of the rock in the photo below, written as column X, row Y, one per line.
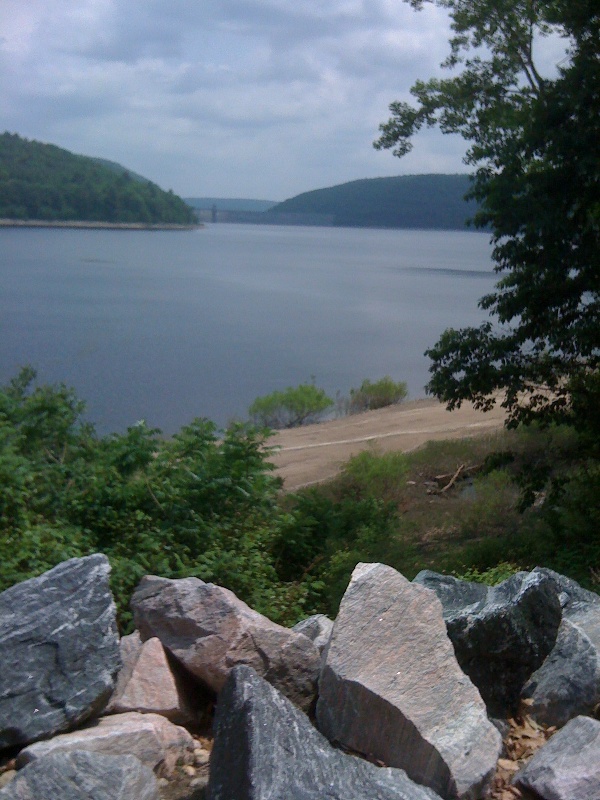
column 575, row 601
column 60, row 650
column 501, row 634
column 568, row 766
column 83, row 776
column 265, row 749
column 209, row 630
column 568, row 682
column 391, row 687
column 318, row 629
column 152, row 739
column 146, row 683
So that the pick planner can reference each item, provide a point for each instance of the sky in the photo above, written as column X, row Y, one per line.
column 223, row 98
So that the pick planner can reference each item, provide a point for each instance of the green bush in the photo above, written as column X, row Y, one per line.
column 491, row 576
column 377, row 394
column 203, row 503
column 291, row 407
column 374, row 474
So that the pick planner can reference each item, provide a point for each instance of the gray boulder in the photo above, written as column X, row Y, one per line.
column 152, row 739
column 391, row 687
column 59, row 650
column 568, row 682
column 501, row 634
column 209, row 630
column 83, row 776
column 265, row 749
column 568, row 766
column 575, row 601
column 318, row 629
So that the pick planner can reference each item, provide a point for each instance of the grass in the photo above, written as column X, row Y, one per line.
column 499, row 514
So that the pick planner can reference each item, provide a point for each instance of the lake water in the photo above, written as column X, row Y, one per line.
column 166, row 326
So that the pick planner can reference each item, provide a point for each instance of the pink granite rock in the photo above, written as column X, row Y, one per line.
column 154, row 740
column 391, row 687
column 209, row 630
column 146, row 683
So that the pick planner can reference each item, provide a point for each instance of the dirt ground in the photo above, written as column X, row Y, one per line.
column 314, row 453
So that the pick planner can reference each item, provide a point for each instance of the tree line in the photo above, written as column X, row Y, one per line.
column 44, row 182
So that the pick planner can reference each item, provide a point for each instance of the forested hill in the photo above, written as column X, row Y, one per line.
column 407, row 201
column 44, row 182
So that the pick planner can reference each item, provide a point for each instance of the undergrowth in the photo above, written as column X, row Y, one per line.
column 205, row 503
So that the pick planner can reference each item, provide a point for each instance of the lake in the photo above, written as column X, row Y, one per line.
column 167, row 325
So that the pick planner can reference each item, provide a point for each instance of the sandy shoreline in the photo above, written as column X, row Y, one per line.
column 315, row 453
column 83, row 225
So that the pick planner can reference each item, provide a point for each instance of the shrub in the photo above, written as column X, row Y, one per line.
column 291, row 407
column 203, row 503
column 378, row 394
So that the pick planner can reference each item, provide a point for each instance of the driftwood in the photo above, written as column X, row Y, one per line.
column 449, row 479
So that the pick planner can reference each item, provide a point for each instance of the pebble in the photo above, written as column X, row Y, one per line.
column 7, row 776
column 201, row 757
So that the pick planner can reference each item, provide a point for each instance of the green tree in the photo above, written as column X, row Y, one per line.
column 294, row 406
column 534, row 142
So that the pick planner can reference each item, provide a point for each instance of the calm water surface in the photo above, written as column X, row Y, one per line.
column 166, row 326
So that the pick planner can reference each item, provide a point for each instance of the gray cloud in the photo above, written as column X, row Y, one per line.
column 257, row 98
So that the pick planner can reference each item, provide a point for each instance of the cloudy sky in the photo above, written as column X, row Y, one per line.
column 225, row 98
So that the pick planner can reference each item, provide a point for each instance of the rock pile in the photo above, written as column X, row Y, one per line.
column 406, row 689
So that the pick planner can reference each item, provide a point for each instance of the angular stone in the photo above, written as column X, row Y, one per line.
column 209, row 630
column 146, row 683
column 152, row 739
column 568, row 766
column 59, row 650
column 391, row 687
column 265, row 749
column 575, row 601
column 83, row 776
column 501, row 634
column 568, row 682
column 318, row 629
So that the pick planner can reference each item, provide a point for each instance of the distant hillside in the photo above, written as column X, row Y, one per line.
column 229, row 204
column 407, row 201
column 45, row 182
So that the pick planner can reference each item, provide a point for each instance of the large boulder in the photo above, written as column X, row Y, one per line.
column 147, row 683
column 209, row 630
column 501, row 634
column 59, row 650
column 152, row 739
column 568, row 766
column 391, row 687
column 568, row 682
column 83, row 776
column 265, row 749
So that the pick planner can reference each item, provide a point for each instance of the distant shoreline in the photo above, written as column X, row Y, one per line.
column 119, row 226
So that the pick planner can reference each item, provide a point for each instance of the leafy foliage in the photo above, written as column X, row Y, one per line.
column 291, row 407
column 376, row 394
column 199, row 504
column 42, row 181
column 535, row 143
column 205, row 503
